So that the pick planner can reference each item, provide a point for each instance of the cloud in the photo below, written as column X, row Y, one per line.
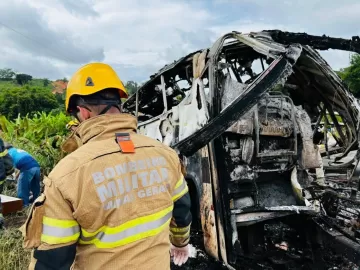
column 314, row 16
column 52, row 38
column 80, row 7
column 23, row 28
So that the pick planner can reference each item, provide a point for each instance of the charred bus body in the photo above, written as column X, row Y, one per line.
column 244, row 116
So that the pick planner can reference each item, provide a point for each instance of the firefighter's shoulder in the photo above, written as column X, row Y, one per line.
column 80, row 157
column 142, row 140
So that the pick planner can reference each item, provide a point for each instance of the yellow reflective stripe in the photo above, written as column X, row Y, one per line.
column 129, row 224
column 138, row 231
column 180, row 189
column 179, row 183
column 59, row 231
column 53, row 240
column 180, row 229
column 176, row 197
column 61, row 223
column 4, row 153
column 180, row 232
column 181, row 235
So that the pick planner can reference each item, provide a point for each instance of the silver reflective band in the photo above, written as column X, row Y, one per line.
column 60, row 232
column 109, row 238
column 179, row 189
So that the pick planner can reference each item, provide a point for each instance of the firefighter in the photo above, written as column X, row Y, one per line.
column 120, row 200
column 6, row 168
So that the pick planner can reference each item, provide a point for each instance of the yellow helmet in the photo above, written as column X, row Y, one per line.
column 72, row 123
column 93, row 78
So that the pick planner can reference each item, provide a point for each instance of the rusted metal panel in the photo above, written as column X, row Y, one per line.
column 207, row 213
column 208, row 222
column 218, row 198
column 243, row 127
column 309, row 156
column 276, row 128
column 252, row 218
column 10, row 204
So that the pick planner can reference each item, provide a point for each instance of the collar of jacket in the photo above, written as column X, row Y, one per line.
column 100, row 128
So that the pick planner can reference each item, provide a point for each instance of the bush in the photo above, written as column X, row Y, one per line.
column 41, row 136
column 23, row 78
column 25, row 100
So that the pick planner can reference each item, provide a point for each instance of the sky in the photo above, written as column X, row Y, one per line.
column 53, row 38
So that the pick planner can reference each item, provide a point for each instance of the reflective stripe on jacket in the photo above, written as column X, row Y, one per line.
column 114, row 207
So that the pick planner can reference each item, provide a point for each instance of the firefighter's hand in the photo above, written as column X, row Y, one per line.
column 180, row 255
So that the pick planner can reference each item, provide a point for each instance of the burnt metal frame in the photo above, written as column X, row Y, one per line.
column 215, row 145
column 257, row 128
column 222, row 213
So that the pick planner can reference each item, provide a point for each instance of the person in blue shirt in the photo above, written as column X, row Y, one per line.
column 29, row 178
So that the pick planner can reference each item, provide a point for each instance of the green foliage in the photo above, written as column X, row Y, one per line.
column 41, row 135
column 60, row 98
column 25, row 100
column 351, row 75
column 330, row 121
column 41, row 83
column 23, row 78
column 6, row 74
column 46, row 82
column 131, row 87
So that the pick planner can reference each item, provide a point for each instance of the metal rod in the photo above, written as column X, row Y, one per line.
column 262, row 63
column 282, row 109
column 256, row 124
column 163, row 90
column 137, row 105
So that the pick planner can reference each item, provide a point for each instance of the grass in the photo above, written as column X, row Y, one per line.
column 12, row 254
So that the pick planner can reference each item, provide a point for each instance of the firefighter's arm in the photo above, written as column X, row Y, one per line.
column 2, row 166
column 181, row 221
column 51, row 230
column 6, row 166
column 8, row 163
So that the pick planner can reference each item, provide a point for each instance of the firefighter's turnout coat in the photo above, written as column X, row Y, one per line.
column 116, row 202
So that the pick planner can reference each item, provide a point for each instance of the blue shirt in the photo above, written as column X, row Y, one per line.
column 22, row 160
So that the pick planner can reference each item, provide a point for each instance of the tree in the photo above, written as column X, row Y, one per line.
column 46, row 82
column 23, row 78
column 351, row 75
column 26, row 100
column 6, row 74
column 131, row 87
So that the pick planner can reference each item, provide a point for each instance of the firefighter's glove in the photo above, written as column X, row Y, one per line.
column 180, row 254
